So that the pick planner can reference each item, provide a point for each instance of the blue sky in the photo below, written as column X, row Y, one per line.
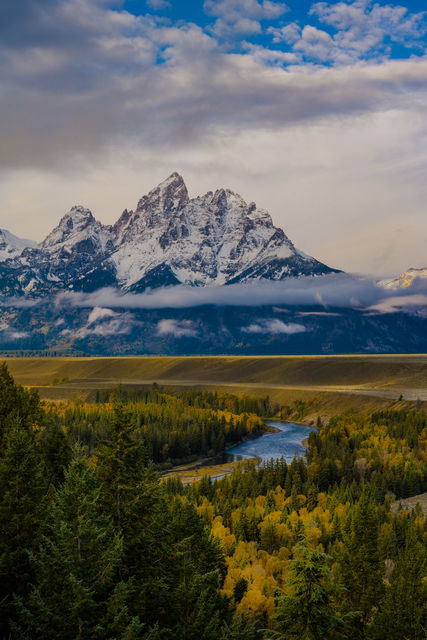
column 315, row 110
column 395, row 30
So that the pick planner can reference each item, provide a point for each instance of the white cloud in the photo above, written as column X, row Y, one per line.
column 18, row 335
column 104, row 322
column 363, row 30
column 99, row 313
column 242, row 17
column 338, row 290
column 400, row 303
column 177, row 328
column 274, row 326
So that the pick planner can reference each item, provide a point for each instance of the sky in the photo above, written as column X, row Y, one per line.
column 314, row 110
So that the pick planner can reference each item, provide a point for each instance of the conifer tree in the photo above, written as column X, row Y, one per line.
column 75, row 570
column 17, row 406
column 22, row 504
column 360, row 565
column 404, row 614
column 305, row 608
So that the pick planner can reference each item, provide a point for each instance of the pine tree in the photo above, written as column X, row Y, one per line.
column 240, row 628
column 130, row 495
column 17, row 406
column 22, row 504
column 305, row 607
column 76, row 566
column 55, row 452
column 360, row 565
column 197, row 574
column 404, row 614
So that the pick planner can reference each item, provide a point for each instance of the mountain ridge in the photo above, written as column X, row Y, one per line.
column 168, row 239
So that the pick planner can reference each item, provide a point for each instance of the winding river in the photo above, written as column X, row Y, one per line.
column 287, row 441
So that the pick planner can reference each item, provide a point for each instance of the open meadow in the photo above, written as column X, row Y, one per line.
column 327, row 384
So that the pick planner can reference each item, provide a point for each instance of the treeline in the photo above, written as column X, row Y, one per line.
column 93, row 545
column 218, row 401
column 173, row 427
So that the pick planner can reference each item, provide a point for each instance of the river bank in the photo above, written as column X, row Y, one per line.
column 191, row 473
column 283, row 439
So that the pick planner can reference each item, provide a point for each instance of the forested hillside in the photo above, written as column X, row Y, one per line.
column 93, row 545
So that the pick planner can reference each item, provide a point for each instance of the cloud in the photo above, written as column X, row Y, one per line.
column 318, row 313
column 331, row 293
column 104, row 322
column 407, row 303
column 18, row 335
column 363, row 30
column 238, row 17
column 274, row 326
column 99, row 313
column 177, row 328
column 334, row 290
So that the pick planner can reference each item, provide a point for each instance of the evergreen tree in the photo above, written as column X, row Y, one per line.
column 197, row 573
column 17, row 406
column 74, row 588
column 360, row 565
column 22, row 504
column 305, row 608
column 55, row 452
column 130, row 496
column 241, row 628
column 404, row 615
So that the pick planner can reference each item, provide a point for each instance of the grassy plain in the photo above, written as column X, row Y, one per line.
column 328, row 384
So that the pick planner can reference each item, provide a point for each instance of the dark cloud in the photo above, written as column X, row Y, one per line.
column 80, row 76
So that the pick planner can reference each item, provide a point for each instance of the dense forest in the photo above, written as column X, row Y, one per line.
column 172, row 428
column 94, row 545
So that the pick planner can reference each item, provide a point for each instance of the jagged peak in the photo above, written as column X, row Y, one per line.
column 78, row 213
column 76, row 220
column 169, row 195
column 175, row 179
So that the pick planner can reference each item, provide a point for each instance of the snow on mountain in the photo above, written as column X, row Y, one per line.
column 406, row 279
column 77, row 231
column 169, row 239
column 11, row 246
column 212, row 239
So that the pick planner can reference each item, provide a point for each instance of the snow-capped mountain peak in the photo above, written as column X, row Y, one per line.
column 11, row 246
column 168, row 197
column 76, row 227
column 169, row 239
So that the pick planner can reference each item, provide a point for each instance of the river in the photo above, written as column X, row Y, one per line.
column 286, row 442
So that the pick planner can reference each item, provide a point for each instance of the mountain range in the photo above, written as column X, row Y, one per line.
column 169, row 239
column 218, row 277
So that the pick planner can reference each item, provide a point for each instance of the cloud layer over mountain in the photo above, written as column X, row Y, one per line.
column 335, row 290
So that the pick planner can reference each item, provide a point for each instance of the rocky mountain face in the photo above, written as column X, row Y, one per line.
column 169, row 239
